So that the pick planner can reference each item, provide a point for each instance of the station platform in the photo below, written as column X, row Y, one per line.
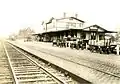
column 68, row 59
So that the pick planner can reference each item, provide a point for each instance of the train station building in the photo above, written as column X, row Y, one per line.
column 62, row 28
column 72, row 27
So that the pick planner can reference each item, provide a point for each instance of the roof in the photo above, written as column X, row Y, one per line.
column 99, row 27
column 105, row 31
column 50, row 21
column 95, row 26
column 71, row 18
column 61, row 30
column 77, row 19
column 40, row 34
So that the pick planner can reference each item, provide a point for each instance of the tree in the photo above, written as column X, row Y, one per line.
column 117, row 36
column 25, row 33
column 12, row 36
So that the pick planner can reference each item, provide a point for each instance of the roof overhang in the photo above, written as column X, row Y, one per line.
column 40, row 34
column 61, row 31
column 98, row 29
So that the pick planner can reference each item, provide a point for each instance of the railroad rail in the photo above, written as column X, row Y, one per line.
column 27, row 69
column 6, row 76
column 105, row 72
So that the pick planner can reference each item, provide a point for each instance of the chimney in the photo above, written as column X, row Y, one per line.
column 64, row 15
column 76, row 15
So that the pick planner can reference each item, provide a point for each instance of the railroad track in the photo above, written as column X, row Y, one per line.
column 104, row 72
column 28, row 70
column 5, row 72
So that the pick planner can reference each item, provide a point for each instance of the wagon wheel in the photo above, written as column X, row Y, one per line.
column 77, row 47
column 71, row 46
column 57, row 44
column 105, row 50
column 97, row 50
column 108, row 51
column 101, row 51
column 91, row 48
column 60, row 44
column 82, row 47
column 65, row 45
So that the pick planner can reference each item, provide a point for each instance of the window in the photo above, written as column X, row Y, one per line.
column 67, row 25
column 83, row 35
column 93, row 37
column 73, row 24
column 80, row 25
column 53, row 25
column 101, row 37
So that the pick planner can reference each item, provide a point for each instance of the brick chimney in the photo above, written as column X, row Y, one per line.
column 76, row 15
column 64, row 15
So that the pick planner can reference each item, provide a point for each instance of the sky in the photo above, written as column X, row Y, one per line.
column 19, row 14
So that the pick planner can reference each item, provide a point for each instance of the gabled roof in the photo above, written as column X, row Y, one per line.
column 71, row 18
column 50, row 21
column 77, row 19
column 97, row 26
